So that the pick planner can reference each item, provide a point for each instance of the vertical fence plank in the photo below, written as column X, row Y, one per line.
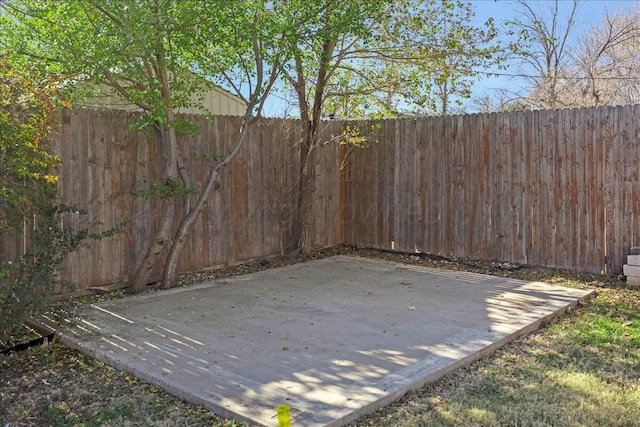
column 521, row 200
column 619, row 218
column 608, row 138
column 634, row 176
column 484, row 229
column 428, row 242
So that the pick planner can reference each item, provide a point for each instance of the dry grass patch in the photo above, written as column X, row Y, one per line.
column 55, row 386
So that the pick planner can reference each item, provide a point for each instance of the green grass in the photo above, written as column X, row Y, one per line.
column 582, row 370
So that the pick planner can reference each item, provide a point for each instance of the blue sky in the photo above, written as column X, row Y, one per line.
column 590, row 12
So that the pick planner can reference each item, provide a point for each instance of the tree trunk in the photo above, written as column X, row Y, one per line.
column 310, row 118
column 170, row 271
column 156, row 248
column 305, row 199
column 163, row 235
column 169, row 142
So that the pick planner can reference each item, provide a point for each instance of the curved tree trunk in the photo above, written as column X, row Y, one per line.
column 170, row 271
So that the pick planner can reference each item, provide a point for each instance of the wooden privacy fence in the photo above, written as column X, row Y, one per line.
column 555, row 188
column 249, row 216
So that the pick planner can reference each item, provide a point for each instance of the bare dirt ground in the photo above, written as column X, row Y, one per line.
column 56, row 386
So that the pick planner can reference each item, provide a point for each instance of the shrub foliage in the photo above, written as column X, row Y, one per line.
column 28, row 193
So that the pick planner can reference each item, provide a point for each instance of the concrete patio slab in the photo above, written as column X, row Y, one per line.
column 333, row 339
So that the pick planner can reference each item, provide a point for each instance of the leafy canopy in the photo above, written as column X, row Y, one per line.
column 127, row 45
column 422, row 55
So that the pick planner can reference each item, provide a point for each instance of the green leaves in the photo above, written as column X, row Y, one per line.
column 120, row 44
column 27, row 109
column 418, row 57
column 28, row 193
column 162, row 190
